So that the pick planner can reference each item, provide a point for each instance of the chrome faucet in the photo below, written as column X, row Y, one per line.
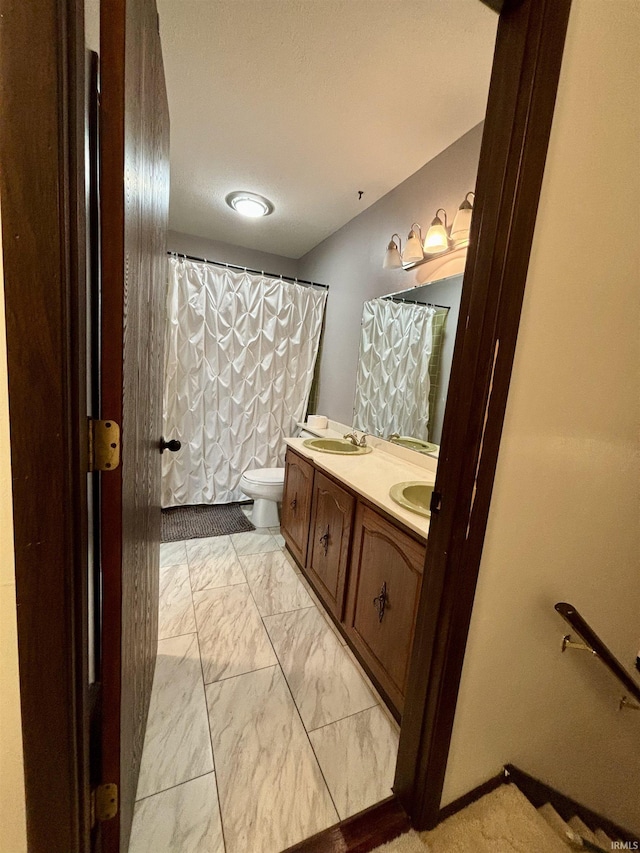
column 353, row 438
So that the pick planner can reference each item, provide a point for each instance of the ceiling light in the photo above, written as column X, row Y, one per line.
column 437, row 240
column 249, row 204
column 462, row 223
column 413, row 247
column 392, row 257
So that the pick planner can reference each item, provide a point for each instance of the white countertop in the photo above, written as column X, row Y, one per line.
column 371, row 476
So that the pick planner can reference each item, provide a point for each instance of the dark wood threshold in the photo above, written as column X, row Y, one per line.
column 538, row 793
column 361, row 833
column 472, row 796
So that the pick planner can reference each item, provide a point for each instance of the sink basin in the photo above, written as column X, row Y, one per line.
column 413, row 495
column 412, row 443
column 335, row 445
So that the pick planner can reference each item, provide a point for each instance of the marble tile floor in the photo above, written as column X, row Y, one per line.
column 263, row 729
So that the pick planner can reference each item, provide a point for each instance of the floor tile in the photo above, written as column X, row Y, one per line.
column 358, row 758
column 296, row 568
column 232, row 637
column 272, row 793
column 213, row 562
column 184, row 819
column 275, row 586
column 175, row 614
column 325, row 683
column 321, row 609
column 173, row 554
column 275, row 532
column 256, row 542
column 177, row 746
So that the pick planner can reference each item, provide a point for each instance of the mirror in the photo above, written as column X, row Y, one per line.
column 404, row 363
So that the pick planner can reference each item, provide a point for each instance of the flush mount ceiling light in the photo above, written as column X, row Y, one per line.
column 249, row 204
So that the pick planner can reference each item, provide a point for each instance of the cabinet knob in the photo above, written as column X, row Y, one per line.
column 380, row 602
column 294, row 502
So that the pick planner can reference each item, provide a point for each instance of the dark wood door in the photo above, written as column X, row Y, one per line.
column 296, row 504
column 384, row 588
column 330, row 536
column 134, row 147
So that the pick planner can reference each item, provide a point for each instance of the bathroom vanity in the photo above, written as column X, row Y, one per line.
column 362, row 554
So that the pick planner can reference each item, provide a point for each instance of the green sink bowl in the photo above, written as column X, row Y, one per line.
column 414, row 495
column 339, row 446
column 414, row 444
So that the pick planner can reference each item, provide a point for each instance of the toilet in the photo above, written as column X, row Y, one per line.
column 265, row 486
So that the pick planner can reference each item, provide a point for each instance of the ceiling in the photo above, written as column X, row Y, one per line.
column 309, row 101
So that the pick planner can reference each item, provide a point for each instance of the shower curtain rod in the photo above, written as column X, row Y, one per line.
column 415, row 302
column 301, row 281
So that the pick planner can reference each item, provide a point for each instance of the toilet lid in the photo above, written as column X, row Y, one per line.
column 265, row 476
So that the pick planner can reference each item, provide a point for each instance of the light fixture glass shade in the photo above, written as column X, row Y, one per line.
column 412, row 249
column 249, row 204
column 437, row 240
column 462, row 223
column 392, row 257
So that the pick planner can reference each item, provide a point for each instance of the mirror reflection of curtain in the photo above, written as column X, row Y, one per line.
column 240, row 356
column 392, row 382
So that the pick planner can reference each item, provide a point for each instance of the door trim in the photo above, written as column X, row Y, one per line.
column 522, row 94
column 42, row 91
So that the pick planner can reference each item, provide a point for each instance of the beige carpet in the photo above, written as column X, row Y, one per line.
column 503, row 821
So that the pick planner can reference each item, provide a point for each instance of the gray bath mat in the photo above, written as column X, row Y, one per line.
column 201, row 521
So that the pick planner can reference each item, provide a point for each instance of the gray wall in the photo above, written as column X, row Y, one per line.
column 214, row 250
column 350, row 261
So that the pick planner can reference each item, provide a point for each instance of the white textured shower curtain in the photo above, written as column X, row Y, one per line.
column 392, row 381
column 240, row 355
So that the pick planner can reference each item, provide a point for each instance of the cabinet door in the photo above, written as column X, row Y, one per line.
column 331, row 519
column 384, row 587
column 296, row 504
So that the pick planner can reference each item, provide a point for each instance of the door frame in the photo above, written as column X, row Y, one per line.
column 42, row 88
column 42, row 189
column 522, row 94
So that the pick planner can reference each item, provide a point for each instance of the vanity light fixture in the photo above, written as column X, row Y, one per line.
column 462, row 223
column 249, row 204
column 392, row 257
column 437, row 239
column 413, row 247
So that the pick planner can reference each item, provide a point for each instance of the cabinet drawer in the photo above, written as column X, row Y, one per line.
column 384, row 588
column 328, row 553
column 296, row 504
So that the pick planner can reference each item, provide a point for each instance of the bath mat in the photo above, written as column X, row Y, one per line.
column 201, row 521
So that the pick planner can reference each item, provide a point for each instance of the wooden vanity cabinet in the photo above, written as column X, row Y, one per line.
column 366, row 569
column 329, row 541
column 385, row 577
column 296, row 504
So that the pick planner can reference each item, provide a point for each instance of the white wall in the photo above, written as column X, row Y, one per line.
column 12, row 804
column 350, row 261
column 564, row 519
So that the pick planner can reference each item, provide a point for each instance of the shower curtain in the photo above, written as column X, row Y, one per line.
column 240, row 354
column 392, row 381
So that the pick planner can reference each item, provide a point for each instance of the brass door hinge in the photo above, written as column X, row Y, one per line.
column 104, row 802
column 104, row 445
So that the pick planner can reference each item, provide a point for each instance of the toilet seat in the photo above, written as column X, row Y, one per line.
column 265, row 476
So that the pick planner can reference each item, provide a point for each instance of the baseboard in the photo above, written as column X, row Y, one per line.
column 538, row 794
column 361, row 833
column 471, row 797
